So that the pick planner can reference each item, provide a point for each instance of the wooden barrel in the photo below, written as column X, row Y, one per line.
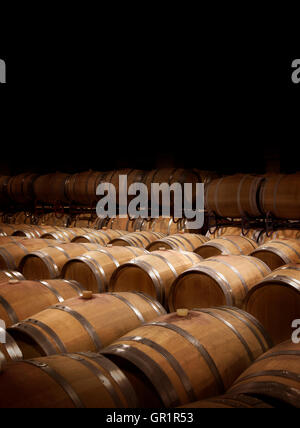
column 153, row 273
column 84, row 380
column 222, row 280
column 275, row 301
column 50, row 188
column 22, row 299
column 180, row 241
column 171, row 176
column 226, row 245
column 137, row 239
column 118, row 223
column 12, row 254
column 234, row 196
column 54, row 219
column 20, row 188
column 81, row 325
column 229, row 401
column 164, row 225
column 183, row 358
column 280, row 195
column 32, row 231
column 10, row 239
column 7, row 229
column 48, row 262
column 274, row 377
column 102, row 237
column 4, row 199
column 133, row 176
column 65, row 234
column 7, row 275
column 277, row 253
column 282, row 234
column 81, row 187
column 94, row 269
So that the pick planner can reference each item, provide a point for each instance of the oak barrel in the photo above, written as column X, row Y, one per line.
column 280, row 195
column 275, row 301
column 234, row 196
column 153, row 273
column 274, row 377
column 137, row 239
column 102, row 237
column 220, row 280
column 227, row 245
column 84, row 380
column 48, row 262
column 80, row 325
column 179, row 359
column 20, row 188
column 4, row 199
column 12, row 254
column 20, row 299
column 64, row 234
column 229, row 401
column 277, row 253
column 179, row 241
column 50, row 188
column 94, row 269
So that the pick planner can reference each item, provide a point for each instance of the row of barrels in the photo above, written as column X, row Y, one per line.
column 81, row 187
column 178, row 278
column 242, row 195
column 141, row 357
column 167, row 225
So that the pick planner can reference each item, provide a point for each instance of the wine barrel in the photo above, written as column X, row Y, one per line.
column 50, row 188
column 65, row 234
column 277, row 253
column 275, row 301
column 94, row 269
column 133, row 176
column 32, row 231
column 153, row 273
column 20, row 188
column 180, row 361
column 234, row 196
column 102, row 237
column 12, row 254
column 84, row 380
column 282, row 234
column 280, row 195
column 7, row 229
column 137, row 239
column 226, row 245
column 222, row 280
column 180, row 241
column 117, row 223
column 6, row 275
column 81, row 187
column 229, row 401
column 4, row 199
column 164, row 225
column 80, row 325
column 274, row 377
column 10, row 239
column 22, row 299
column 48, row 262
column 171, row 176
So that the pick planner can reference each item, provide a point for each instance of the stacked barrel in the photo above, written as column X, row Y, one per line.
column 143, row 313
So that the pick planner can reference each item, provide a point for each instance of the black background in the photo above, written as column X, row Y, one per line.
column 144, row 95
